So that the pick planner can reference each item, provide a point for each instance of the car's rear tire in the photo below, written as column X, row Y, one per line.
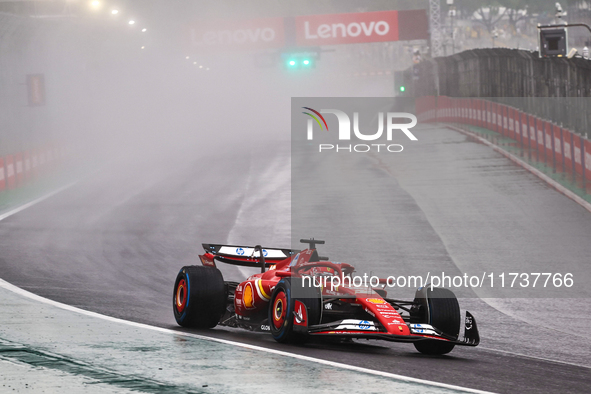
column 282, row 306
column 199, row 298
column 443, row 312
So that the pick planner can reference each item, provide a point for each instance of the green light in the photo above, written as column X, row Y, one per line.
column 292, row 62
column 402, row 89
column 306, row 62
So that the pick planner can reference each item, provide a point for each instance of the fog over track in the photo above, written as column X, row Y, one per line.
column 114, row 242
column 189, row 147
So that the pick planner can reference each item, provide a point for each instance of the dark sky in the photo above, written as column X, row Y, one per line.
column 191, row 9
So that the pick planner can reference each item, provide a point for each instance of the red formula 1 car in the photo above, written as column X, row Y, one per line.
column 287, row 300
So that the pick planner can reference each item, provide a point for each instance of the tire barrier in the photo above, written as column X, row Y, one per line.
column 557, row 147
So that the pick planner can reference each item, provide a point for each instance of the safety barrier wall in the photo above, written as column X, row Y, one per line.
column 558, row 147
column 516, row 78
column 20, row 168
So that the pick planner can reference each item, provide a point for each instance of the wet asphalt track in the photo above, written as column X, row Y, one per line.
column 113, row 244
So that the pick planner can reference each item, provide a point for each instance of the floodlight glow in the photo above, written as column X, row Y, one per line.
column 306, row 62
column 131, row 22
column 144, row 30
column 292, row 63
column 114, row 12
column 95, row 4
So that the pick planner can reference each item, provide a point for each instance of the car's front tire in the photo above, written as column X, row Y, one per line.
column 199, row 298
column 282, row 306
column 443, row 312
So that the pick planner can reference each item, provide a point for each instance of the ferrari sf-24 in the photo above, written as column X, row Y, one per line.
column 284, row 300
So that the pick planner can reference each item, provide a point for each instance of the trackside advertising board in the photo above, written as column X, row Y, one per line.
column 355, row 28
column 239, row 34
column 36, row 89
column 310, row 30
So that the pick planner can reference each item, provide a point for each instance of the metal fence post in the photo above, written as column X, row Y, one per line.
column 583, row 167
column 552, row 145
column 572, row 155
column 527, row 126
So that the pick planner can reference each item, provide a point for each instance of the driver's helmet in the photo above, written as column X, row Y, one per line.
column 320, row 271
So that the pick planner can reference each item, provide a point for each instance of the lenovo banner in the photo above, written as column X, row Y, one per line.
column 240, row 34
column 355, row 28
column 312, row 30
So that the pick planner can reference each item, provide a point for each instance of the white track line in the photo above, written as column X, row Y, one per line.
column 35, row 297
column 535, row 357
column 36, row 201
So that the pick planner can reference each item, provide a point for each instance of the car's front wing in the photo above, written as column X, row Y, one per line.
column 352, row 328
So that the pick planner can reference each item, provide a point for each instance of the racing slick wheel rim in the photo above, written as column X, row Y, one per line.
column 279, row 310
column 181, row 296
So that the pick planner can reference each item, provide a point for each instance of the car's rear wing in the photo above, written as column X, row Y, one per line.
column 249, row 256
